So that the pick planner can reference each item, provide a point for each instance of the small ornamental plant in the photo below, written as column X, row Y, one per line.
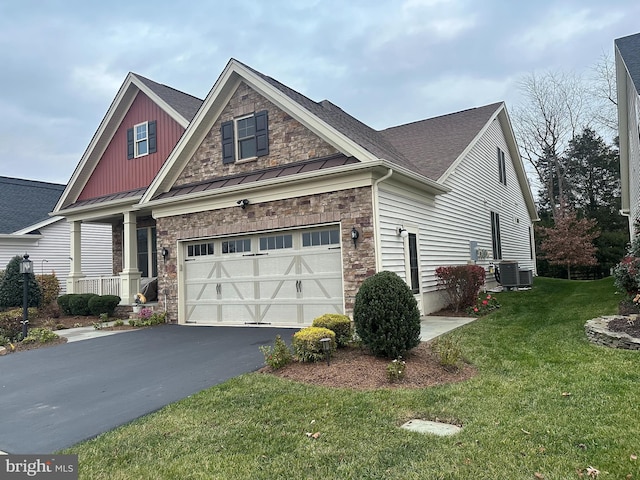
column 277, row 356
column 484, row 305
column 448, row 352
column 396, row 370
column 145, row 313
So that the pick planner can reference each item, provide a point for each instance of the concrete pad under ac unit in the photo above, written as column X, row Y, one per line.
column 434, row 428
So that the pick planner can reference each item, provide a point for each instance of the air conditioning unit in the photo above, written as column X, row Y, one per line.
column 525, row 278
column 509, row 274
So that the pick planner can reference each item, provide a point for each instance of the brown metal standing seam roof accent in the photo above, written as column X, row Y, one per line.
column 249, row 178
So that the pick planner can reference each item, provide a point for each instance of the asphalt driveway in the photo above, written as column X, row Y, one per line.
column 52, row 398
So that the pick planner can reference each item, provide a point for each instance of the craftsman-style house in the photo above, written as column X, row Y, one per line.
column 259, row 205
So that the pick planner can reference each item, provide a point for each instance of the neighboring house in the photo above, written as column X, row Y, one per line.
column 26, row 227
column 259, row 205
column 627, row 58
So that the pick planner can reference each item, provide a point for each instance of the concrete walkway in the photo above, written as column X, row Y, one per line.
column 432, row 327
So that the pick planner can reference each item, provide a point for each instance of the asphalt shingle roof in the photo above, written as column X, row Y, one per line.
column 629, row 48
column 26, row 202
column 435, row 143
column 427, row 147
column 185, row 104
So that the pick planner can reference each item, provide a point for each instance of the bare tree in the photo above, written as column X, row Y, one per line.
column 554, row 110
column 602, row 87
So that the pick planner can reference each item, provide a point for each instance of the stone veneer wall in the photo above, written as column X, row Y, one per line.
column 352, row 207
column 598, row 332
column 289, row 141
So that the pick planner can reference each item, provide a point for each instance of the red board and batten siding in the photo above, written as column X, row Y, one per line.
column 114, row 172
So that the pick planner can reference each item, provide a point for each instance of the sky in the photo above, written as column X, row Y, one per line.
column 386, row 62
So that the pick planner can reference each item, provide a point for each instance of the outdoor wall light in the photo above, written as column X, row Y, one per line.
column 402, row 232
column 354, row 236
column 243, row 203
column 165, row 252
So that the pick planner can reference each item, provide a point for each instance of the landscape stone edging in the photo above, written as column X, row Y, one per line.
column 597, row 330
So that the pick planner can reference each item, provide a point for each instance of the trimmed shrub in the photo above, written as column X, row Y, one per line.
column 10, row 322
column 11, row 287
column 103, row 304
column 63, row 303
column 461, row 284
column 277, row 356
column 307, row 346
column 338, row 324
column 386, row 315
column 79, row 303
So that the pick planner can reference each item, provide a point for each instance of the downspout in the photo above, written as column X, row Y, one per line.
column 376, row 222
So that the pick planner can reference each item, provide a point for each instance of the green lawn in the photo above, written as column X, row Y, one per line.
column 546, row 401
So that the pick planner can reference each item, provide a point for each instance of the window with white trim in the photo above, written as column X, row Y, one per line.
column 502, row 167
column 414, row 272
column 141, row 141
column 245, row 137
column 495, row 236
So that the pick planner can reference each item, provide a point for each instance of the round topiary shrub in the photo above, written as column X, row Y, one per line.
column 307, row 346
column 386, row 315
column 338, row 324
column 103, row 304
column 79, row 303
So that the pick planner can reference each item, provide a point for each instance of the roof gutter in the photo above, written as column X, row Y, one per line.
column 376, row 220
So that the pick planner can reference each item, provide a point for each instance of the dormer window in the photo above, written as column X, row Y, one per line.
column 141, row 139
column 245, row 137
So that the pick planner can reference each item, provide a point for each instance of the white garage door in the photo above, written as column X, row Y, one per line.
column 283, row 279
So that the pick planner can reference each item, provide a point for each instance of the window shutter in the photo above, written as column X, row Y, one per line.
column 130, row 143
column 262, row 133
column 226, row 130
column 152, row 137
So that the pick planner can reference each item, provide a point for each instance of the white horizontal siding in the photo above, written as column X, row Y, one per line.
column 448, row 224
column 633, row 109
column 51, row 252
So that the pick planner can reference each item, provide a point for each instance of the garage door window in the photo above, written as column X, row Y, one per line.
column 276, row 242
column 200, row 249
column 324, row 237
column 236, row 246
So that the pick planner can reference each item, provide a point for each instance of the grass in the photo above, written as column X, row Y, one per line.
column 545, row 402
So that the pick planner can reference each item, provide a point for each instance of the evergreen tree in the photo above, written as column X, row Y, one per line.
column 12, row 285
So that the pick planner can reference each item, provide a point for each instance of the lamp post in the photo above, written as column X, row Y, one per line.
column 326, row 348
column 26, row 269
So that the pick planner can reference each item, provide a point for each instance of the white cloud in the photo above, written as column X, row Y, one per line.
column 562, row 25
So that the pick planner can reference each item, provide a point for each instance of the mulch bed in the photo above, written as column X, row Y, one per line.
column 625, row 325
column 354, row 368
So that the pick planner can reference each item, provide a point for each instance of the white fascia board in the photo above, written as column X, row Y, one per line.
column 525, row 186
column 217, row 99
column 21, row 241
column 622, row 77
column 160, row 102
column 37, row 226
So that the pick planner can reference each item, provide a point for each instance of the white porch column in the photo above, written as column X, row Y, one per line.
column 130, row 276
column 75, row 253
